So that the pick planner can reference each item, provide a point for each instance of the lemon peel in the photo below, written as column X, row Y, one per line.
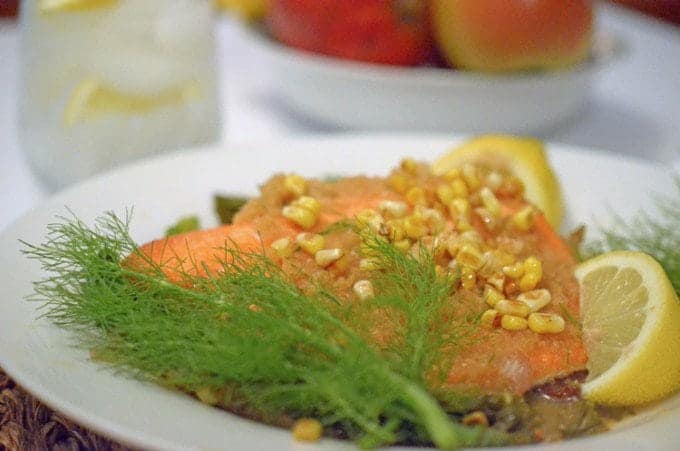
column 631, row 318
column 55, row 6
column 521, row 156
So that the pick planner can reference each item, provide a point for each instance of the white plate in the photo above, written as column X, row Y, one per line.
column 372, row 96
column 42, row 358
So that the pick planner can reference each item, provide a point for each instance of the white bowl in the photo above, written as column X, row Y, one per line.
column 372, row 96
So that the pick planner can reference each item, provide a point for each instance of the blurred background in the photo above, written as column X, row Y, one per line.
column 93, row 84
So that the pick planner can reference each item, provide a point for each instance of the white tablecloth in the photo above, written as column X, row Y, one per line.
column 634, row 108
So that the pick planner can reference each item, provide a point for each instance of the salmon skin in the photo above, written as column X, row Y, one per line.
column 496, row 359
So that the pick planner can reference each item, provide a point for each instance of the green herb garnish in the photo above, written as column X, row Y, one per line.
column 292, row 354
column 227, row 206
column 183, row 225
column 655, row 234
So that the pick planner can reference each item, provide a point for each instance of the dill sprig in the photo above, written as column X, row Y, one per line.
column 655, row 233
column 247, row 326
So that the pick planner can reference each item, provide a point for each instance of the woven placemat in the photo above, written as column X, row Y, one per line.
column 27, row 424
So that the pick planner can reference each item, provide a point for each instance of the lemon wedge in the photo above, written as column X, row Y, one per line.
column 54, row 6
column 523, row 157
column 631, row 329
column 92, row 97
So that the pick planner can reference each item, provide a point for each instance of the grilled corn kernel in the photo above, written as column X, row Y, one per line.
column 470, row 256
column 363, row 289
column 476, row 418
column 393, row 209
column 452, row 174
column 488, row 318
column 490, row 201
column 445, row 193
column 307, row 430
column 470, row 176
column 283, row 247
column 535, row 299
column 533, row 273
column 409, row 165
column 515, row 271
column 515, row 308
column 208, row 396
column 494, row 180
column 459, row 188
column 415, row 227
column 398, row 182
column 295, row 184
column 403, row 245
column 511, row 322
column 309, row 203
column 371, row 219
column 459, row 207
column 310, row 242
column 492, row 295
column 546, row 323
column 523, row 220
column 416, row 196
column 301, row 216
column 325, row 257
column 369, row 264
column 468, row 278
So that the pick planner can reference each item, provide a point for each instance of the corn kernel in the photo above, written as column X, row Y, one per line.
column 489, row 220
column 492, row 295
column 309, row 203
column 494, row 180
column 515, row 308
column 546, row 323
column 490, row 202
column 459, row 188
column 301, row 216
column 523, row 220
column 310, row 242
column 471, row 236
column 325, row 257
column 363, row 289
column 452, row 174
column 510, row 322
column 488, row 318
column 459, row 207
column 535, row 299
column 463, row 225
column 409, row 165
column 295, row 184
column 468, row 278
column 307, row 430
column 470, row 256
column 403, row 245
column 497, row 281
column 445, row 193
column 371, row 219
column 533, row 273
column 515, row 271
column 398, row 182
column 470, row 176
column 283, row 247
column 415, row 227
column 416, row 196
column 395, row 229
column 393, row 208
column 369, row 264
column 476, row 418
column 433, row 218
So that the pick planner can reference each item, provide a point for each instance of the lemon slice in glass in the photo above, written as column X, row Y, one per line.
column 91, row 98
column 55, row 6
column 631, row 329
column 525, row 158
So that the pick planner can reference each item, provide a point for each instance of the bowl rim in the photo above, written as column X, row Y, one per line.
column 604, row 48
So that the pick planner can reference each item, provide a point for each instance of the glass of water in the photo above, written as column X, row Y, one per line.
column 104, row 82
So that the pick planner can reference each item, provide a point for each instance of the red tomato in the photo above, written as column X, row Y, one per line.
column 379, row 31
